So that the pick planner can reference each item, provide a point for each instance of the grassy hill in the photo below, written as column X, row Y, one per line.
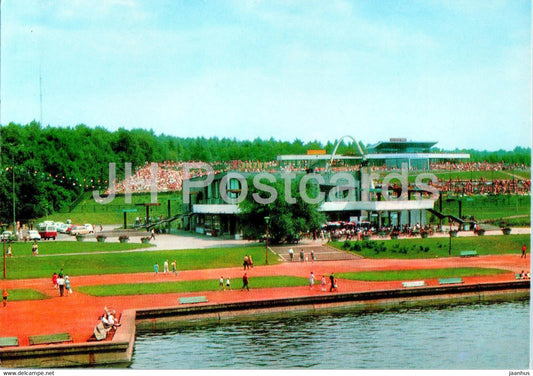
column 89, row 211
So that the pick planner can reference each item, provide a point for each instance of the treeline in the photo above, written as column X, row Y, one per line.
column 51, row 166
column 519, row 155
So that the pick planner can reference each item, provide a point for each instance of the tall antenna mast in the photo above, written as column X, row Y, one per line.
column 41, row 94
column 0, row 83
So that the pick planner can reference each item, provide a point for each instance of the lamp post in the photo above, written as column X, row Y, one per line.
column 13, row 174
column 450, row 245
column 267, row 220
column 4, row 247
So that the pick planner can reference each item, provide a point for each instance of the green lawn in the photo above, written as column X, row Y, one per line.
column 403, row 275
column 188, row 286
column 51, row 247
column 416, row 248
column 488, row 207
column 25, row 294
column 89, row 211
column 98, row 263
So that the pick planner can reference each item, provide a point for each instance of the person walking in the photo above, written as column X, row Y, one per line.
column 35, row 249
column 332, row 281
column 5, row 294
column 245, row 282
column 156, row 268
column 67, row 286
column 54, row 280
column 524, row 249
column 291, row 254
column 245, row 262
column 174, row 268
column 313, row 255
column 311, row 280
column 165, row 267
column 228, row 283
column 221, row 283
column 302, row 255
column 323, row 283
column 152, row 237
column 61, row 284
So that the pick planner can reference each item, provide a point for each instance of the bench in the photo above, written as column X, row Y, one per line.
column 414, row 284
column 450, row 281
column 468, row 253
column 193, row 299
column 100, row 331
column 9, row 341
column 49, row 339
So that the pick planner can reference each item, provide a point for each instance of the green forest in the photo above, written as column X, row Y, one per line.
column 50, row 167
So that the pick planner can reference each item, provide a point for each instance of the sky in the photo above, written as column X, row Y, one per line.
column 456, row 72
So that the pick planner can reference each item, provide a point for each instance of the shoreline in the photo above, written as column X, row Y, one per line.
column 118, row 351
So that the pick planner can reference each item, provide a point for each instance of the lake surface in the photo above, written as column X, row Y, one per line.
column 471, row 336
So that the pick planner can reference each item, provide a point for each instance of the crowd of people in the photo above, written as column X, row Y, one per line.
column 476, row 166
column 61, row 282
column 354, row 231
column 484, row 186
column 166, row 269
column 170, row 175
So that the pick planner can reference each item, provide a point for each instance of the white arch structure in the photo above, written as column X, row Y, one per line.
column 337, row 145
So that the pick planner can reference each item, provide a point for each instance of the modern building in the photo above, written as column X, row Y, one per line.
column 358, row 200
column 416, row 154
column 361, row 196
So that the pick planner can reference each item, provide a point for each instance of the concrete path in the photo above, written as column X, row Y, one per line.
column 78, row 313
column 186, row 240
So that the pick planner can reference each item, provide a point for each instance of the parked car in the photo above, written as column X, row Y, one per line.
column 34, row 235
column 47, row 232
column 6, row 235
column 89, row 228
column 62, row 228
column 79, row 230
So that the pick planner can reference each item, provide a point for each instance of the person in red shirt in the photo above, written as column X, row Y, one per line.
column 245, row 282
column 54, row 280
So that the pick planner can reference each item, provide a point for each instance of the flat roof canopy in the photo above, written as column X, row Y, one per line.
column 327, row 157
column 400, row 146
column 305, row 157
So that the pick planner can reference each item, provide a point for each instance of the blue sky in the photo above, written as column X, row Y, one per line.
column 456, row 72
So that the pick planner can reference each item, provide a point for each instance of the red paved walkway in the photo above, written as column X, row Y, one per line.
column 78, row 314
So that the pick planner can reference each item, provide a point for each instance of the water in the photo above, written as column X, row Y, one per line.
column 476, row 336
